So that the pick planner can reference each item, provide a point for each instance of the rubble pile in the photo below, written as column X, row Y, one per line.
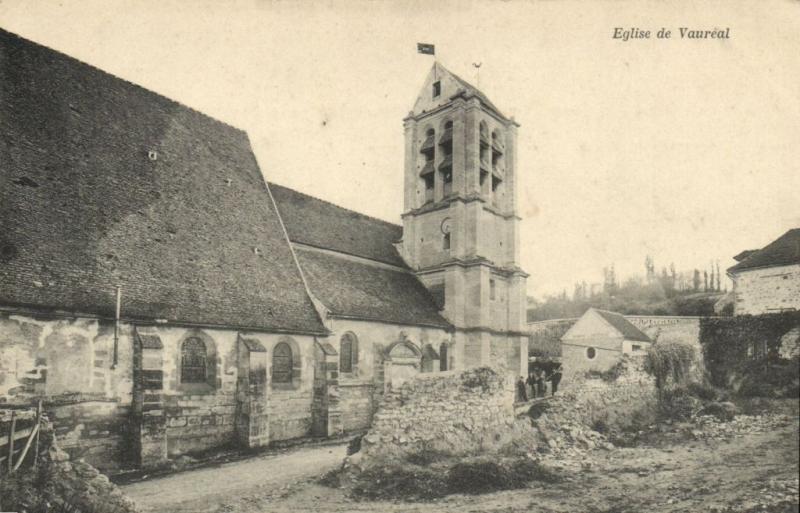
column 456, row 415
column 774, row 495
column 709, row 427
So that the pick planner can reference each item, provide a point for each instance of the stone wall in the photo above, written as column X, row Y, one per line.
column 588, row 402
column 770, row 290
column 95, row 431
column 62, row 482
column 454, row 413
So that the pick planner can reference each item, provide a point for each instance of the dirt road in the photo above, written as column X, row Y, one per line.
column 210, row 489
column 711, row 475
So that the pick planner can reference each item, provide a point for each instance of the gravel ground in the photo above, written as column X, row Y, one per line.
column 748, row 465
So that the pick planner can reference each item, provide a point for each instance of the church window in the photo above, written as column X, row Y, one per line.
column 446, row 242
column 429, row 183
column 282, row 363
column 348, row 353
column 428, row 151
column 194, row 360
column 492, row 290
column 437, row 89
column 447, row 178
column 443, row 357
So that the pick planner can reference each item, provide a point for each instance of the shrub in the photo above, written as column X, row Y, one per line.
column 669, row 362
column 702, row 391
column 730, row 344
column 677, row 403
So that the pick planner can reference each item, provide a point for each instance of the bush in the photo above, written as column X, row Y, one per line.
column 730, row 344
column 677, row 403
column 702, row 391
column 669, row 362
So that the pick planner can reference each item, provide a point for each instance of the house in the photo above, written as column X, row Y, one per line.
column 163, row 298
column 598, row 339
column 767, row 280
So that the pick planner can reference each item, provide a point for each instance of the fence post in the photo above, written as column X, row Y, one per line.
column 38, row 423
column 11, row 440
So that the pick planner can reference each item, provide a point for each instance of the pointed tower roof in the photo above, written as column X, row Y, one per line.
column 451, row 86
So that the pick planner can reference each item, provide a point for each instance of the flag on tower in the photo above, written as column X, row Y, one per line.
column 425, row 48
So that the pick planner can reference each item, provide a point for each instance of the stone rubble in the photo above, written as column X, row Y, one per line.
column 710, row 427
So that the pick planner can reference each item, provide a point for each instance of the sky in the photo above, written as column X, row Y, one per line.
column 686, row 150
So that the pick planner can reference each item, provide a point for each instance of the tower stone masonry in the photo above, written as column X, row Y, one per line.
column 460, row 222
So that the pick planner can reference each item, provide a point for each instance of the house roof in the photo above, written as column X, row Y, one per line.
column 621, row 324
column 360, row 290
column 321, row 224
column 785, row 250
column 104, row 184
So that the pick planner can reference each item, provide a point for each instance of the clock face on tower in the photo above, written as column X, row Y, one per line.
column 446, row 225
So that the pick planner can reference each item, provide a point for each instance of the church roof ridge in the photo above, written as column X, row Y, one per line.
column 469, row 88
column 129, row 83
column 332, row 204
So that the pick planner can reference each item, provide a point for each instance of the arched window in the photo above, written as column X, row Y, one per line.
column 591, row 353
column 348, row 353
column 282, row 363
column 443, row 356
column 194, row 360
column 448, row 125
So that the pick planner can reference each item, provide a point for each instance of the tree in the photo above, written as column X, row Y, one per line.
column 696, row 280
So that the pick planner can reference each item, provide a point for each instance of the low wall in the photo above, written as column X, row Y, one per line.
column 589, row 402
column 58, row 482
column 454, row 413
column 97, row 431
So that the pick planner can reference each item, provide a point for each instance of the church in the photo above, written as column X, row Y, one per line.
column 163, row 298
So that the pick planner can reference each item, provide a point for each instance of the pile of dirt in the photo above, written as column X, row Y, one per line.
column 426, row 479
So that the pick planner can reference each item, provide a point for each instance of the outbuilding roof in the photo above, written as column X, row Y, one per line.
column 104, row 184
column 785, row 250
column 623, row 325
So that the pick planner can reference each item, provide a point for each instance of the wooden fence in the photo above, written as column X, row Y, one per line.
column 23, row 433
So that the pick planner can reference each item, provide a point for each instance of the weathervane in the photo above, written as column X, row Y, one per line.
column 477, row 66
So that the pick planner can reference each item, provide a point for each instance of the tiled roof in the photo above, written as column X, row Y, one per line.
column 321, row 224
column 365, row 291
column 105, row 184
column 623, row 325
column 783, row 251
column 469, row 88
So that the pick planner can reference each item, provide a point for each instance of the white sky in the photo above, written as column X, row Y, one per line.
column 683, row 149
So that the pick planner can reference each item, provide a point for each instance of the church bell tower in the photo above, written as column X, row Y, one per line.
column 460, row 222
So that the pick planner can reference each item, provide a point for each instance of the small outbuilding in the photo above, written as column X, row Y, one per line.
column 597, row 341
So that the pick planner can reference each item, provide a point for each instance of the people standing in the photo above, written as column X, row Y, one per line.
column 531, row 382
column 522, row 396
column 555, row 379
column 540, row 382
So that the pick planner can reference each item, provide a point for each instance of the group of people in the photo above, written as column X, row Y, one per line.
column 537, row 383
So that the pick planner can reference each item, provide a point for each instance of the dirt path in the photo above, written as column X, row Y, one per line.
column 209, row 489
column 692, row 476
